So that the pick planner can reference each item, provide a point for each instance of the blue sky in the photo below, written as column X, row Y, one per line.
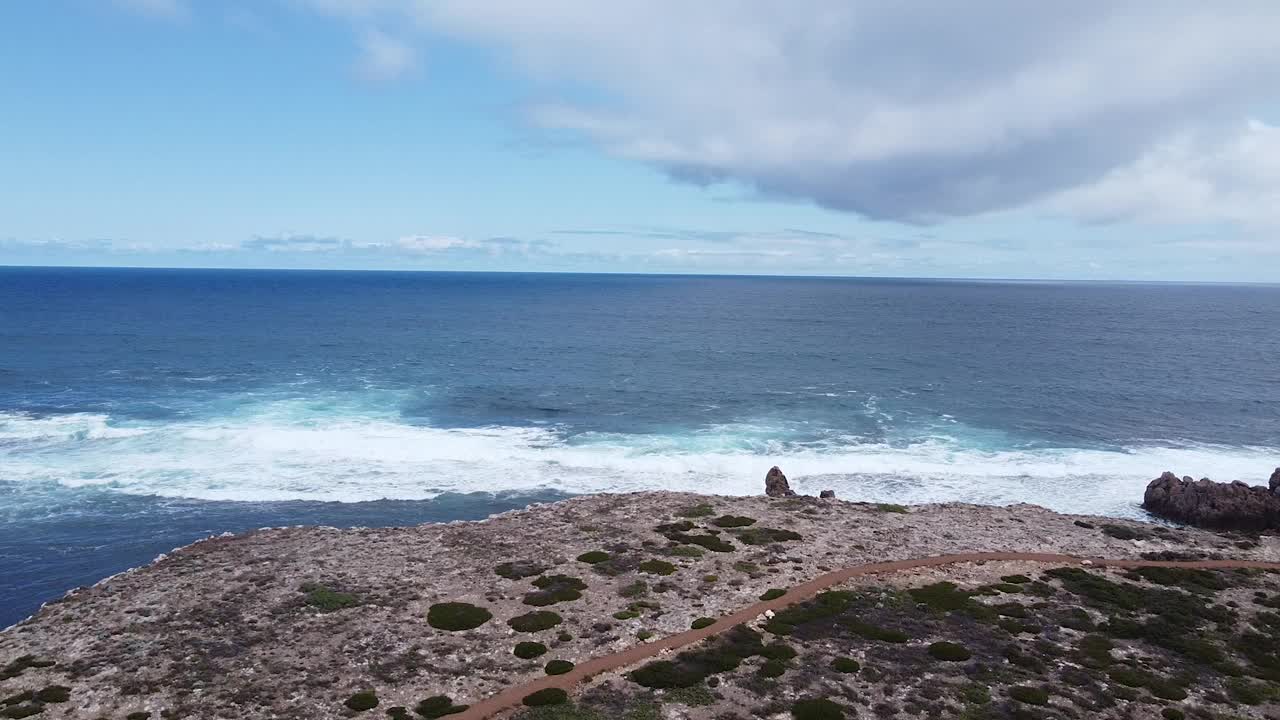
column 1131, row 141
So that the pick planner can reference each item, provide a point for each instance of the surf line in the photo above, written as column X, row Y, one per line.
column 512, row 697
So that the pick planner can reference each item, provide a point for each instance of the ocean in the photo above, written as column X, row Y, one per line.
column 143, row 409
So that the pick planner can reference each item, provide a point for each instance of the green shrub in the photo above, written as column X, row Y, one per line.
column 519, row 569
column 1029, row 695
column 773, row 594
column 710, row 578
column 702, row 622
column 693, row 696
column 892, row 508
column 657, row 567
column 139, row 715
column 399, row 712
column 709, row 542
column 772, row 669
column 941, row 596
column 535, row 621
column 816, row 709
column 362, row 701
column 845, row 665
column 456, row 616
column 558, row 667
column 976, row 694
column 1166, row 689
column 593, row 557
column 326, row 600
column 1249, row 692
column 694, row 511
column 1083, row 524
column 54, row 694
column 528, row 650
column 1172, row 714
column 547, row 696
column 949, row 651
column 626, row 615
column 689, row 551
column 778, row 651
column 635, row 589
column 644, row 634
column 733, row 521
column 554, row 589
column 766, row 536
column 1015, row 579
column 438, row 706
column 1129, row 677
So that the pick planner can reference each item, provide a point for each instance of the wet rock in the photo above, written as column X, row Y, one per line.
column 1204, row 503
column 776, row 485
column 1275, row 481
column 827, row 494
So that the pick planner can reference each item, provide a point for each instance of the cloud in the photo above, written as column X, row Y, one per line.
column 296, row 244
column 383, row 57
column 164, row 9
column 1232, row 176
column 491, row 246
column 901, row 111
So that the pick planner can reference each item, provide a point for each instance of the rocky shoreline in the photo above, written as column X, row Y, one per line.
column 320, row 623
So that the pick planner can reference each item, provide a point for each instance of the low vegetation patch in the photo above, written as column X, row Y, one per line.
column 1029, row 695
column 702, row 622
column 457, row 616
column 554, row 589
column 846, row 665
column 548, row 696
column 766, row 536
column 535, row 621
column 528, row 650
column 949, row 651
column 558, row 667
column 816, row 709
column 696, row 511
column 657, row 567
column 772, row 594
column 593, row 557
column 362, row 701
column 733, row 521
column 892, row 508
column 327, row 600
column 438, row 706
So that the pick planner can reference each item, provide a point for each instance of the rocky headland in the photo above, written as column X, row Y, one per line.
column 681, row 606
column 1204, row 503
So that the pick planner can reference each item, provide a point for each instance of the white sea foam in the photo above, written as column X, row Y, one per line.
column 283, row 452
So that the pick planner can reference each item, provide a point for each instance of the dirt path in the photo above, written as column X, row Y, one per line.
column 512, row 697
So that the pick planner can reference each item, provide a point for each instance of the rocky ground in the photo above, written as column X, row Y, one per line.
column 323, row 623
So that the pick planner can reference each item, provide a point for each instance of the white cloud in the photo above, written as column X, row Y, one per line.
column 903, row 111
column 1231, row 176
column 383, row 57
column 166, row 9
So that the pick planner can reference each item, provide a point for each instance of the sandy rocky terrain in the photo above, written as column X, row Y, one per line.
column 322, row 623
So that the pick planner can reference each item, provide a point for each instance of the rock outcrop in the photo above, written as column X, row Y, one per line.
column 1275, row 481
column 827, row 494
column 776, row 485
column 1224, row 506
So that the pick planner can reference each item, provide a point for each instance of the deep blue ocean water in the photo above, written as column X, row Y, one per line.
column 143, row 409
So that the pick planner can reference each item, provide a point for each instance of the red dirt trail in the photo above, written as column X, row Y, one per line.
column 512, row 696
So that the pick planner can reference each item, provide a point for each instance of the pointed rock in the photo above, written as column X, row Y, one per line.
column 776, row 485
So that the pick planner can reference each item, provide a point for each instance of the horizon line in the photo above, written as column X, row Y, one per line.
column 626, row 273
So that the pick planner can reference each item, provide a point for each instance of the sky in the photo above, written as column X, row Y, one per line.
column 1123, row 140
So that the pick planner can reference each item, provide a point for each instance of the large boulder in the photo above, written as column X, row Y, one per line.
column 1275, row 481
column 776, row 485
column 1223, row 506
